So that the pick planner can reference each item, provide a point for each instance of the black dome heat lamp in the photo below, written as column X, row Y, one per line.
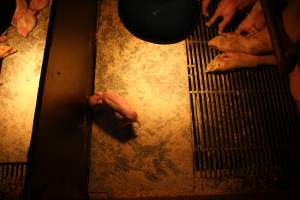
column 159, row 21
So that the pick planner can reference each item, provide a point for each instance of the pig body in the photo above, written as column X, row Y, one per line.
column 231, row 61
column 116, row 103
column 259, row 43
column 226, row 9
column 24, row 18
column 255, row 20
column 205, row 4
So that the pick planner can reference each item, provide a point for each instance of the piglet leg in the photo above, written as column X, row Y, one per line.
column 24, row 18
column 226, row 9
column 205, row 4
column 255, row 21
column 233, row 42
column 3, row 38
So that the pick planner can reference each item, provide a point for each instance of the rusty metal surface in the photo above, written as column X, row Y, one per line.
column 155, row 159
column 19, row 80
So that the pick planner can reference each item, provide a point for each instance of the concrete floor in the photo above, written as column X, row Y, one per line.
column 19, row 82
column 19, row 78
column 155, row 159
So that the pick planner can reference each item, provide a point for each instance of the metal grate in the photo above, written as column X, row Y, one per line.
column 244, row 122
column 12, row 173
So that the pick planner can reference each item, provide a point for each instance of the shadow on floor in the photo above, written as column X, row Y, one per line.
column 112, row 125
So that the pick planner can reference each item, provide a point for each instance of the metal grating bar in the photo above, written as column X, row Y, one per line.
column 244, row 122
column 12, row 173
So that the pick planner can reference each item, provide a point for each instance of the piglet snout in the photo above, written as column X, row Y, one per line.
column 96, row 100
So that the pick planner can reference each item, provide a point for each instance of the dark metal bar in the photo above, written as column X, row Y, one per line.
column 252, row 127
column 196, row 111
column 258, row 82
column 202, row 98
column 199, row 71
column 199, row 97
column 235, row 122
column 242, row 111
column 1, row 173
column 217, row 107
column 230, row 125
column 215, row 133
column 202, row 107
column 59, row 150
column 228, row 122
column 276, row 138
column 222, row 116
column 206, row 96
column 214, row 113
column 193, row 104
column 272, row 12
column 256, row 118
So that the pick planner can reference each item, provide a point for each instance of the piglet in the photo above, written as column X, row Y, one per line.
column 226, row 9
column 24, row 18
column 6, row 50
column 114, row 102
column 255, row 20
column 3, row 38
column 38, row 4
column 231, row 61
column 205, row 4
column 258, row 43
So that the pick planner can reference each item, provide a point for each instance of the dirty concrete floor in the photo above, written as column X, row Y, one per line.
column 155, row 159
column 19, row 78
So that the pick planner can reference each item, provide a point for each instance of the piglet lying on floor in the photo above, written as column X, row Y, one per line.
column 6, row 51
column 115, row 103
column 25, row 18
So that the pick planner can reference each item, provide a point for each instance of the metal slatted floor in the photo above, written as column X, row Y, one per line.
column 12, row 173
column 244, row 122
